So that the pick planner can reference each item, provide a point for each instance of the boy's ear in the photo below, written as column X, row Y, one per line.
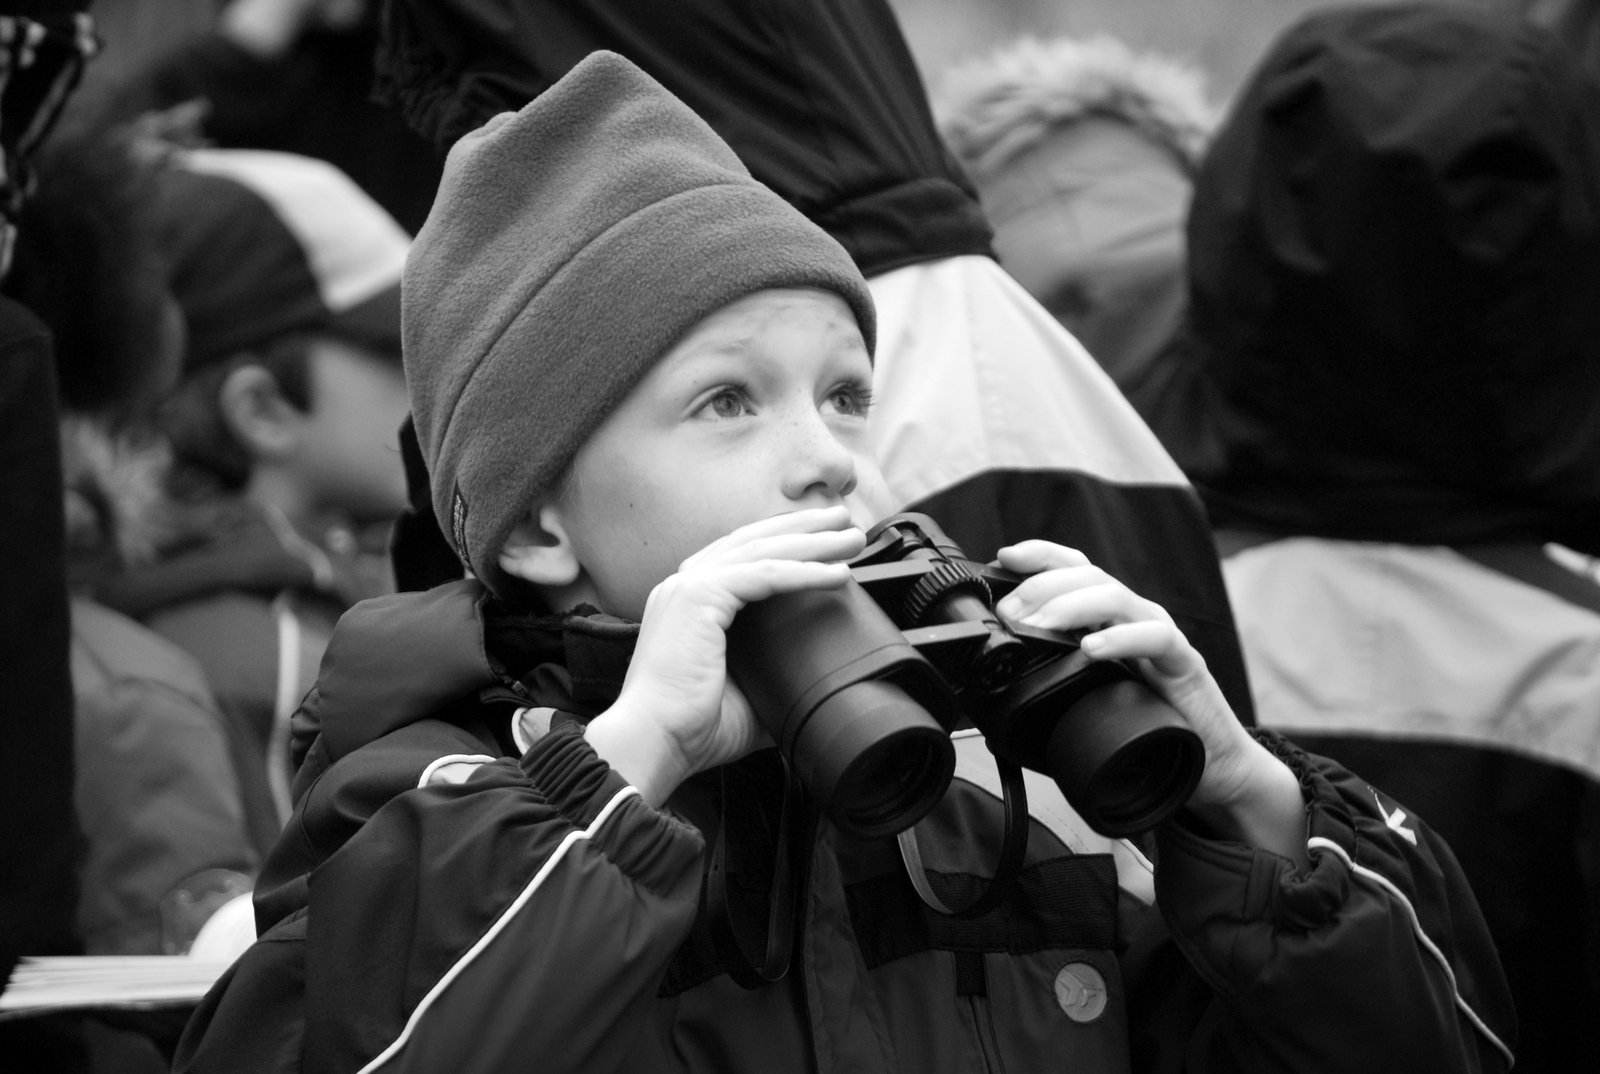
column 539, row 551
column 257, row 414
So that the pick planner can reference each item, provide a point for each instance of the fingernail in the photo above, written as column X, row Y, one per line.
column 1092, row 644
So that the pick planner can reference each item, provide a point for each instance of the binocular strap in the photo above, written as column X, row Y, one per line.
column 1013, row 848
column 754, row 879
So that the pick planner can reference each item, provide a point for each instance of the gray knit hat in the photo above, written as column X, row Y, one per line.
column 571, row 244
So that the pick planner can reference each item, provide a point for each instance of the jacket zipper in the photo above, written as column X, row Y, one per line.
column 972, row 984
column 983, row 1021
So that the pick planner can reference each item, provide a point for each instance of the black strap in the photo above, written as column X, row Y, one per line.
column 1013, row 849
column 744, row 880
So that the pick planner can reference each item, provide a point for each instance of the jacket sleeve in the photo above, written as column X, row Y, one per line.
column 520, row 919
column 1376, row 959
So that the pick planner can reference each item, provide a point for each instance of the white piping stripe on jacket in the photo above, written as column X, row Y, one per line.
column 1318, row 842
column 285, row 701
column 476, row 760
column 572, row 838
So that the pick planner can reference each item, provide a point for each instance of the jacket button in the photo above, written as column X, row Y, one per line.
column 1081, row 991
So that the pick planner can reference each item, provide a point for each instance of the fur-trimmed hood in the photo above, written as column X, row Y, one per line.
column 992, row 108
column 117, row 509
column 136, row 547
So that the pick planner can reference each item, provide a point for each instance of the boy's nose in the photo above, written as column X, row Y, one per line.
column 818, row 463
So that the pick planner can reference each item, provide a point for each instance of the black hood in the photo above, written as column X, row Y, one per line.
column 405, row 657
column 821, row 99
column 1394, row 251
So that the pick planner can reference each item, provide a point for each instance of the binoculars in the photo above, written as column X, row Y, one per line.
column 861, row 687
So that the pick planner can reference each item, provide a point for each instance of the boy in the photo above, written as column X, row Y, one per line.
column 283, row 431
column 992, row 418
column 639, row 381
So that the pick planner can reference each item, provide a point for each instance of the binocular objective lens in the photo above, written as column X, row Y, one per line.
column 887, row 784
column 874, row 758
column 1141, row 782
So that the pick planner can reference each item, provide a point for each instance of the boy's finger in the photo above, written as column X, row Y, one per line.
column 1040, row 589
column 1030, row 557
column 1149, row 639
column 1084, row 608
column 805, row 520
column 750, row 582
column 810, row 520
column 827, row 544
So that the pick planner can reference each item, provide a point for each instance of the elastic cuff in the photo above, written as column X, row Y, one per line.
column 1262, row 886
column 570, row 774
column 652, row 846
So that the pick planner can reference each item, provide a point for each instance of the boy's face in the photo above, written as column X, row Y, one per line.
column 1090, row 222
column 350, row 446
column 760, row 409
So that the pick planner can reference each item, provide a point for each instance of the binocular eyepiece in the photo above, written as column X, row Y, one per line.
column 861, row 687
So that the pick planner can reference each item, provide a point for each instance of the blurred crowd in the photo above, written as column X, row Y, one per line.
column 1329, row 390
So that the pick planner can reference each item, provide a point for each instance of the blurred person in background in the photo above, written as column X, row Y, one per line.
column 1083, row 153
column 44, row 45
column 287, row 75
column 987, row 415
column 1394, row 253
column 157, row 798
column 285, row 472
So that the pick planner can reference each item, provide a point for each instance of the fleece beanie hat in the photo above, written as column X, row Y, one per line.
column 571, row 244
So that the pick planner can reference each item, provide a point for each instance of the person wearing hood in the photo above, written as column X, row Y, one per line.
column 1083, row 153
column 990, row 417
column 1394, row 257
column 157, row 799
column 538, row 822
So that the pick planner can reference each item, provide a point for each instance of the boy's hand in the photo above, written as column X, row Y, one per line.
column 1245, row 792
column 678, row 713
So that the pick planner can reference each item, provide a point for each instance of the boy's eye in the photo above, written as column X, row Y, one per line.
column 851, row 399
column 727, row 403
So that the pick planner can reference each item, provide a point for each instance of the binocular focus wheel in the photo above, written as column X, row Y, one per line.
column 934, row 586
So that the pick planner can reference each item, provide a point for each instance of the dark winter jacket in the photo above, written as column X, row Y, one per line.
column 1395, row 253
column 540, row 915
column 254, row 602
column 155, row 793
column 1474, row 695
